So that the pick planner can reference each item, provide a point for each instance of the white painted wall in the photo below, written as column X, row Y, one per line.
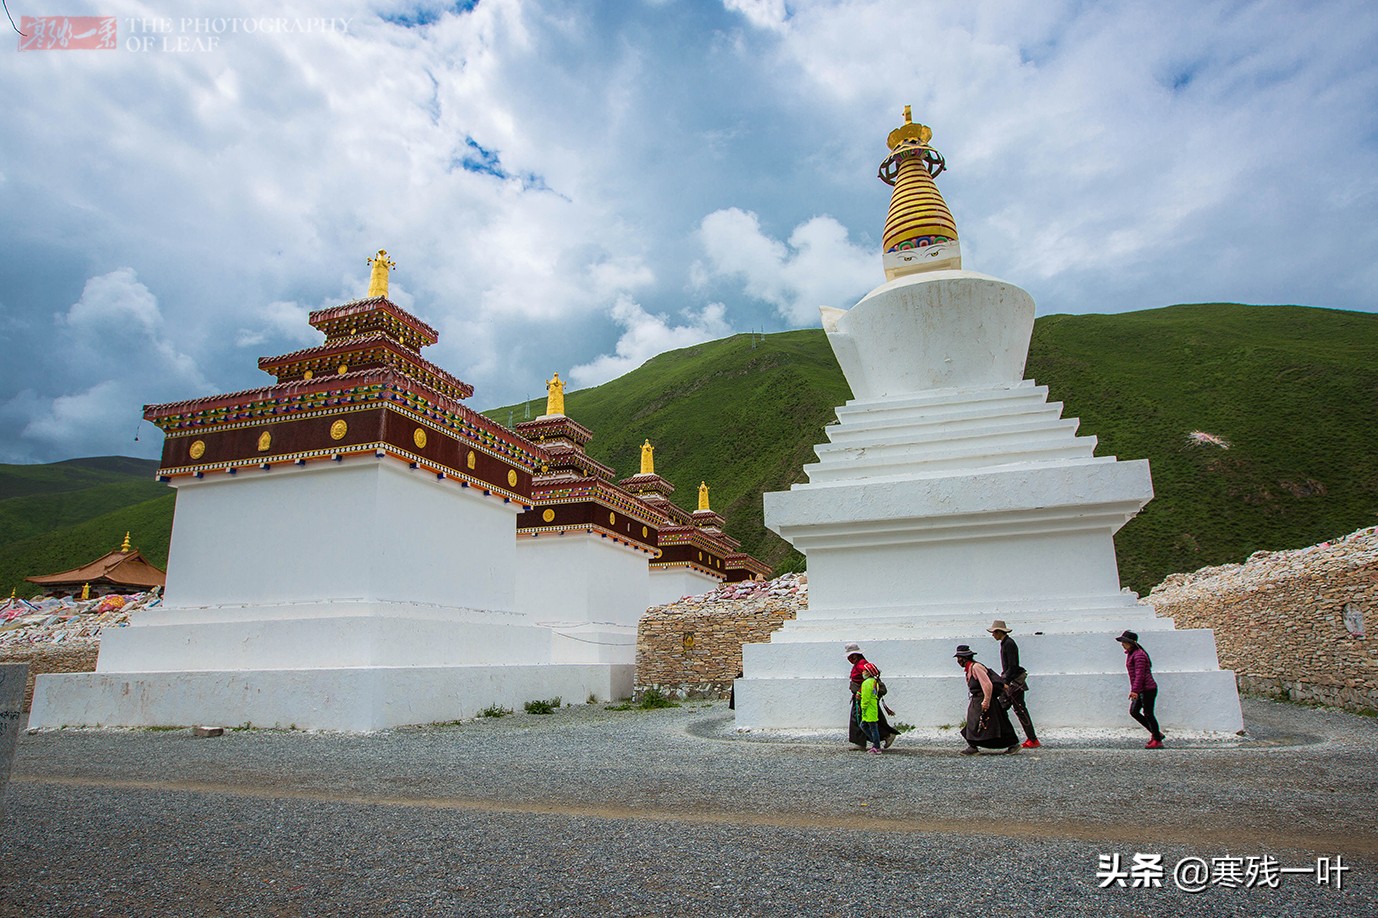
column 581, row 577
column 361, row 529
column 672, row 584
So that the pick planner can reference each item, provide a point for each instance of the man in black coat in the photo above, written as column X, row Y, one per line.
column 1016, row 680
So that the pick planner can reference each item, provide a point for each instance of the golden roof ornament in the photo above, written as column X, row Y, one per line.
column 125, row 545
column 648, row 462
column 378, row 280
column 703, row 496
column 920, row 234
column 555, row 396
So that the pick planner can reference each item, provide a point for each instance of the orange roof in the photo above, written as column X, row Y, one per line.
column 123, row 568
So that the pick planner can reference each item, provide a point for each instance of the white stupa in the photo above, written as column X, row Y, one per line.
column 951, row 493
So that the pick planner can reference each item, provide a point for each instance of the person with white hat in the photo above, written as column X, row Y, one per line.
column 1016, row 680
column 856, row 734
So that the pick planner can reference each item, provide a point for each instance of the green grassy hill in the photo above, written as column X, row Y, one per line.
column 1292, row 390
column 55, row 517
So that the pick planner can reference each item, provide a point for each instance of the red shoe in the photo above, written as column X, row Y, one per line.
column 1031, row 744
column 1154, row 744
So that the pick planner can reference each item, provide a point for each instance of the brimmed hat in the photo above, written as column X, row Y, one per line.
column 964, row 651
column 1129, row 636
column 870, row 669
column 851, row 649
column 998, row 625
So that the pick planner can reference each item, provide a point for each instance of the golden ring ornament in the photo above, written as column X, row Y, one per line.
column 198, row 449
column 548, row 515
column 338, row 430
column 700, row 556
column 644, row 532
column 471, row 460
column 512, row 477
column 612, row 519
column 418, row 436
column 265, row 441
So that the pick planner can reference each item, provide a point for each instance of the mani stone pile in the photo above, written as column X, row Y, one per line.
column 693, row 648
column 1291, row 624
column 62, row 635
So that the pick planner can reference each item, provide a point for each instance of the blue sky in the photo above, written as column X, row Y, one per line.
column 578, row 186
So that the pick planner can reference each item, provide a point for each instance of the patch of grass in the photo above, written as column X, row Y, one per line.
column 446, row 723
column 592, row 699
column 542, row 707
column 495, row 710
column 902, row 727
column 948, row 726
column 160, row 729
column 654, row 698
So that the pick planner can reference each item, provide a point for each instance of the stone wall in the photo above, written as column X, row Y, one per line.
column 693, row 648
column 1296, row 625
column 48, row 658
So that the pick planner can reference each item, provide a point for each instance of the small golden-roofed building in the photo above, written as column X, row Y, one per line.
column 122, row 571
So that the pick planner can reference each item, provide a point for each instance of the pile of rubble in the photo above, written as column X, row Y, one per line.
column 792, row 589
column 53, row 622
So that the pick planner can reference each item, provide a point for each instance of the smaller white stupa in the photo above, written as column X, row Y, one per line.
column 951, row 493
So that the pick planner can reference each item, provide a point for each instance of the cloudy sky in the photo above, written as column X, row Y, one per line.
column 578, row 186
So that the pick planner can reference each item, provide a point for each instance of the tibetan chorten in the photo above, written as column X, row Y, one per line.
column 951, row 494
column 123, row 570
column 693, row 558
column 343, row 552
column 583, row 545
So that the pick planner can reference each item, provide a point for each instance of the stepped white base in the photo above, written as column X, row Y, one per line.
column 951, row 493
column 1076, row 680
column 1196, row 701
column 348, row 699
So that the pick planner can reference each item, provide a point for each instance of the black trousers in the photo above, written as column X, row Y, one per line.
column 1141, row 709
column 1017, row 706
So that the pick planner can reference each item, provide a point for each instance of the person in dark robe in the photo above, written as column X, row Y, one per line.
column 987, row 723
column 1016, row 680
column 855, row 734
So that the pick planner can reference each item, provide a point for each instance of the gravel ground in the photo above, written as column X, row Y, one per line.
column 672, row 812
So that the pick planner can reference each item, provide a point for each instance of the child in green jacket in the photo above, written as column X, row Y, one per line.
column 870, row 707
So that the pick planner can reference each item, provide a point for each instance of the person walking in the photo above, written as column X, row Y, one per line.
column 1143, row 691
column 855, row 734
column 870, row 706
column 1016, row 680
column 987, row 723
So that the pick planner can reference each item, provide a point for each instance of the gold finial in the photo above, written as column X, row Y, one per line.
column 909, row 132
column 648, row 462
column 125, row 545
column 555, row 396
column 703, row 496
column 378, row 280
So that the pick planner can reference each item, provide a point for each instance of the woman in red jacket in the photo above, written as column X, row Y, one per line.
column 1143, row 691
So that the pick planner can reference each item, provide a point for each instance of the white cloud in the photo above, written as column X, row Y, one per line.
column 528, row 164
column 645, row 336
column 112, row 356
column 764, row 14
column 818, row 266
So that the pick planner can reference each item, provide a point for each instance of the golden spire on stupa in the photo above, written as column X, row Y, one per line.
column 920, row 234
column 555, row 396
column 125, row 545
column 378, row 280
